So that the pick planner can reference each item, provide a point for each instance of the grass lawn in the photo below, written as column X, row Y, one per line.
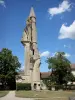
column 54, row 99
column 46, row 95
column 3, row 93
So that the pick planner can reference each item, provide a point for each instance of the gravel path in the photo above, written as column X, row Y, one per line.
column 11, row 96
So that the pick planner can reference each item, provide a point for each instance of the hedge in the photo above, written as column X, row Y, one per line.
column 63, row 87
column 23, row 86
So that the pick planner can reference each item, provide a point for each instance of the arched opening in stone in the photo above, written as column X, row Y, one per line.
column 33, row 51
column 35, row 85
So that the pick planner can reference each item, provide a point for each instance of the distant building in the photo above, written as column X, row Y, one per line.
column 73, row 69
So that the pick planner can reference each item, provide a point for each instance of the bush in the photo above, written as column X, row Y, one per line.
column 63, row 87
column 23, row 86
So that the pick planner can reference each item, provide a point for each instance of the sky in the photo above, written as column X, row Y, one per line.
column 55, row 22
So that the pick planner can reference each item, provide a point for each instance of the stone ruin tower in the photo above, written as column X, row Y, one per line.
column 32, row 57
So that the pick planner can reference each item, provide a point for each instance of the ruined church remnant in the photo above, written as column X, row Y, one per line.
column 32, row 57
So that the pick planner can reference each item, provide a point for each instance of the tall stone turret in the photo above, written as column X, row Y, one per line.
column 33, row 19
column 32, row 57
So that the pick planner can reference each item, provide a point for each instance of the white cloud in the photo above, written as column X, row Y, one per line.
column 63, row 7
column 53, row 54
column 45, row 54
column 22, row 68
column 2, row 3
column 65, row 23
column 67, row 31
column 67, row 46
column 67, row 55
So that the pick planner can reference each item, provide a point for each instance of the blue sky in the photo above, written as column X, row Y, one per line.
column 55, row 27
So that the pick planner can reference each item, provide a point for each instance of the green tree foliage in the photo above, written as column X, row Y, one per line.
column 9, row 65
column 61, row 69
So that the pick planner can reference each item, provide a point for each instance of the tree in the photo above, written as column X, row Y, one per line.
column 9, row 65
column 61, row 70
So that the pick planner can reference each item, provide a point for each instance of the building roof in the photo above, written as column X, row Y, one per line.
column 42, row 74
column 45, row 74
column 32, row 13
column 73, row 66
column 21, row 72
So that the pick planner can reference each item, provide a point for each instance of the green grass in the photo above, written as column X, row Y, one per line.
column 54, row 99
column 46, row 95
column 3, row 93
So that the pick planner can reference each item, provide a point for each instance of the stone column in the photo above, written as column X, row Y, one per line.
column 34, row 33
column 27, row 59
column 36, row 74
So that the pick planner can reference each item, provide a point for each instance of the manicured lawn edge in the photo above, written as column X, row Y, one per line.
column 45, row 95
column 53, row 99
column 3, row 93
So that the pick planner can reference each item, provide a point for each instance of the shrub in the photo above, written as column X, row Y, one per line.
column 63, row 87
column 23, row 86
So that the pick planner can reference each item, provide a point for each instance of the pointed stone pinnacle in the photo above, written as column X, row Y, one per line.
column 32, row 13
